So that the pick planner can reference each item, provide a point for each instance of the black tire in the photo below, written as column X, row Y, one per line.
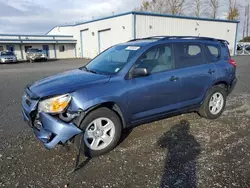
column 204, row 110
column 100, row 112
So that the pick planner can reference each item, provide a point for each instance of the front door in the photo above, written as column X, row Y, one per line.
column 197, row 74
column 10, row 48
column 157, row 93
column 46, row 49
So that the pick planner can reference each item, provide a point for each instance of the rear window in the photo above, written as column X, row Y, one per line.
column 225, row 51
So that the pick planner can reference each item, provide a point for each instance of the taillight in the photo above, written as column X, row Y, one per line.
column 232, row 62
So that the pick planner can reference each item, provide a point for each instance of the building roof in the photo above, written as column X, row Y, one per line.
column 147, row 14
column 18, row 38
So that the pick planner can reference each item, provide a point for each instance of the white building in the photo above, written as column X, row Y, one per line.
column 56, row 46
column 96, row 35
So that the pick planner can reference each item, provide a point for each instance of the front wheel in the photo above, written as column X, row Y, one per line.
column 214, row 103
column 101, row 132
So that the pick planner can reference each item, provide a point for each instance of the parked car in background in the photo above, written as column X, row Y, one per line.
column 7, row 57
column 129, row 84
column 34, row 54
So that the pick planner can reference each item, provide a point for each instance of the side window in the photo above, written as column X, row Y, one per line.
column 213, row 52
column 61, row 48
column 158, row 59
column 194, row 50
column 189, row 54
column 27, row 47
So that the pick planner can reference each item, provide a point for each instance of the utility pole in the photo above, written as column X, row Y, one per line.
column 245, row 20
column 248, row 20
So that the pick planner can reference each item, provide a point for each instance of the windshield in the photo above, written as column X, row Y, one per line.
column 35, row 50
column 7, row 53
column 112, row 60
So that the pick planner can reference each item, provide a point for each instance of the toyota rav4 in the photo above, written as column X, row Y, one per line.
column 129, row 84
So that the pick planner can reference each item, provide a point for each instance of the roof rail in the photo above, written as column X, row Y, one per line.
column 179, row 37
column 148, row 38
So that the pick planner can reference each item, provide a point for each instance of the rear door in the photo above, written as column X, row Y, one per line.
column 197, row 73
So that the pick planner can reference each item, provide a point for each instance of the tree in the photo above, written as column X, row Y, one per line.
column 246, row 39
column 175, row 7
column 145, row 6
column 233, row 12
column 214, row 7
column 197, row 8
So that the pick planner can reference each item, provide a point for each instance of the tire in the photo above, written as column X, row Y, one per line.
column 206, row 109
column 87, row 124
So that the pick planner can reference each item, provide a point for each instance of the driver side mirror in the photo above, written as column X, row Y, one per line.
column 139, row 72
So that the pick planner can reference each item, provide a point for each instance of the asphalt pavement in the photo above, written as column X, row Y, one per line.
column 181, row 151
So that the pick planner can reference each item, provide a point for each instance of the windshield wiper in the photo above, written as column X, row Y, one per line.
column 88, row 70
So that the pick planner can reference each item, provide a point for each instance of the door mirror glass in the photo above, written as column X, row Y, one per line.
column 139, row 72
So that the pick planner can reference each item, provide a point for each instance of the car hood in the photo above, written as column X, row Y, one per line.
column 66, row 82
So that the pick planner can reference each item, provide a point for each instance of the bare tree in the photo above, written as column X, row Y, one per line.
column 197, row 8
column 214, row 7
column 175, row 7
column 145, row 6
column 233, row 11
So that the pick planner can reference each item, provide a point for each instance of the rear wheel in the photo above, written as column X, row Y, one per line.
column 101, row 132
column 214, row 103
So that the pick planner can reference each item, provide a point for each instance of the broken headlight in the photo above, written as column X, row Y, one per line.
column 55, row 104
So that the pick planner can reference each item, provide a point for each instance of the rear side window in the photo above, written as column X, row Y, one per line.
column 213, row 52
column 189, row 54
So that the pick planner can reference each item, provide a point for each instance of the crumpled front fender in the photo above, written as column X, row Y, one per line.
column 54, row 131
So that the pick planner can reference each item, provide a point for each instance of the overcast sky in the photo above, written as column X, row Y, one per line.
column 39, row 16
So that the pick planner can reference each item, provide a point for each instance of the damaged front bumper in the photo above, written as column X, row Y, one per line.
column 49, row 129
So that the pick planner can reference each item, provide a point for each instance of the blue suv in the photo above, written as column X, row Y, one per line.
column 127, row 85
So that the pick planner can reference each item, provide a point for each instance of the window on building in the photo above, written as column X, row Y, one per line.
column 61, row 48
column 1, row 48
column 27, row 47
column 188, row 54
column 158, row 59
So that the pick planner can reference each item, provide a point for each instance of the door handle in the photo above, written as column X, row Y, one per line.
column 174, row 79
column 211, row 71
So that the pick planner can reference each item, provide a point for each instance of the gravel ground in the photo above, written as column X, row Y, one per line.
column 182, row 151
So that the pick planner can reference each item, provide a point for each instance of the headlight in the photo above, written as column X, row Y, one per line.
column 3, row 59
column 54, row 105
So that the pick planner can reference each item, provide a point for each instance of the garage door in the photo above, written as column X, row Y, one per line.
column 84, row 44
column 105, row 39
